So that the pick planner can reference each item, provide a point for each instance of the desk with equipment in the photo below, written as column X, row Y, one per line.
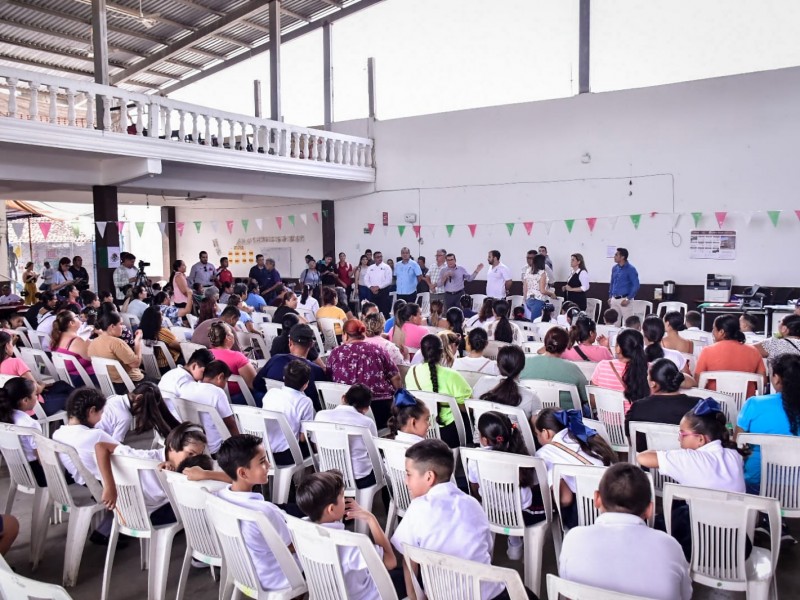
column 718, row 301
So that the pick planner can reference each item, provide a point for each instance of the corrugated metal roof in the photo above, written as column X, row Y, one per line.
column 55, row 36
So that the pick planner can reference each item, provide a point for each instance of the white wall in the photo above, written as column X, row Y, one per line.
column 722, row 144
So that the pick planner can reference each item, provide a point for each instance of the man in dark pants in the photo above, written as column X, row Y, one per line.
column 453, row 278
column 378, row 279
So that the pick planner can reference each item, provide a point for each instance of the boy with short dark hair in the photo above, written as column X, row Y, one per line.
column 296, row 407
column 321, row 497
column 633, row 322
column 611, row 317
column 693, row 320
column 244, row 460
column 620, row 552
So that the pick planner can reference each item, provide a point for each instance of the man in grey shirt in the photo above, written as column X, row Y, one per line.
column 202, row 272
column 453, row 277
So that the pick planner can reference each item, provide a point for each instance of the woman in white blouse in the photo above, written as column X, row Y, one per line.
column 578, row 282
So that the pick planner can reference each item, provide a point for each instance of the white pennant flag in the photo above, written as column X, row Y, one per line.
column 304, row 218
column 163, row 228
column 18, row 228
column 613, row 221
column 260, row 224
column 385, row 231
column 101, row 227
column 748, row 216
column 214, row 225
column 675, row 219
column 547, row 225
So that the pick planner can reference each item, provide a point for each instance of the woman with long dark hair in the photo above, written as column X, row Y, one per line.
column 501, row 329
column 578, row 281
column 153, row 330
column 308, row 305
column 536, row 287
column 180, row 286
column 653, row 332
column 475, row 361
column 582, row 346
column 65, row 340
column 627, row 373
column 485, row 315
column 729, row 352
column 506, row 388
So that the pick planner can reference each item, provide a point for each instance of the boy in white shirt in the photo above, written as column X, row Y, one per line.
column 173, row 380
column 620, row 553
column 321, row 497
column 295, row 406
column 211, row 392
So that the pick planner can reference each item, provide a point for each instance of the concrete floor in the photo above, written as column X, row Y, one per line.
column 128, row 582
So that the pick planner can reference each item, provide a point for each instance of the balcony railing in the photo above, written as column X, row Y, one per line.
column 70, row 103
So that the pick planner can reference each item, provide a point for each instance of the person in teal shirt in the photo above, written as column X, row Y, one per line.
column 408, row 274
column 551, row 367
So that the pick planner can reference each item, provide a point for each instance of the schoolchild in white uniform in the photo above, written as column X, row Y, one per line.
column 321, row 497
column 291, row 401
column 18, row 397
column 566, row 440
column 353, row 411
column 211, row 392
column 410, row 418
column 620, row 553
column 173, row 380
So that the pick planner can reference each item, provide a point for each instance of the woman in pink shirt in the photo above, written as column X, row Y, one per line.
column 628, row 372
column 408, row 331
column 180, row 287
column 221, row 338
column 582, row 338
column 16, row 367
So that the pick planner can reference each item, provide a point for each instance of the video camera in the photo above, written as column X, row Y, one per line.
column 143, row 264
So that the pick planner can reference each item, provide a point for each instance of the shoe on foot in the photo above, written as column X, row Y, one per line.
column 102, row 540
column 787, row 539
column 514, row 552
column 762, row 525
column 199, row 564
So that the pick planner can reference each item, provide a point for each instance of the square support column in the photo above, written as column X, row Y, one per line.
column 327, row 75
column 328, row 227
column 275, row 59
column 104, row 199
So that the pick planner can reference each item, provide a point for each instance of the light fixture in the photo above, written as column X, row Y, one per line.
column 586, row 158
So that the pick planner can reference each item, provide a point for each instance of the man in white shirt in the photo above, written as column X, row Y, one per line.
column 498, row 279
column 620, row 553
column 202, row 272
column 124, row 275
column 378, row 279
column 8, row 297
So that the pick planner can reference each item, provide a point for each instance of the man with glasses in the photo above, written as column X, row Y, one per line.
column 378, row 279
column 453, row 278
column 202, row 272
column 624, row 285
column 529, row 265
column 437, row 290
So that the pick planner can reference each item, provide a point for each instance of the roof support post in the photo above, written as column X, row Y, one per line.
column 100, row 50
column 275, row 59
column 373, row 102
column 257, row 97
column 327, row 66
column 584, row 82
column 104, row 199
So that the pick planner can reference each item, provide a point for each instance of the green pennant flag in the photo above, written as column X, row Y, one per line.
column 139, row 227
column 401, row 229
column 197, row 225
column 76, row 229
column 450, row 229
column 697, row 216
column 570, row 223
column 635, row 219
column 291, row 219
column 774, row 215
column 245, row 223
column 510, row 227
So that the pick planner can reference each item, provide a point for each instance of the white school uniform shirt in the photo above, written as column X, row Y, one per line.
column 407, row 438
column 474, row 321
column 676, row 357
column 622, row 554
column 449, row 521
column 210, row 395
column 347, row 415
column 496, row 281
column 555, row 456
column 154, row 495
column 295, row 406
column 266, row 565
column 476, row 365
column 117, row 418
column 529, row 403
column 170, row 385
column 357, row 580
column 526, row 496
column 83, row 439
column 28, row 442
column 45, row 326
column 710, row 466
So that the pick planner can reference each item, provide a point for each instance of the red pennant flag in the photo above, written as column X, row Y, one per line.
column 797, row 212
column 370, row 226
column 279, row 221
column 316, row 217
column 120, row 226
column 528, row 226
column 591, row 221
column 45, row 226
column 179, row 226
column 417, row 229
column 721, row 218
column 229, row 224
column 472, row 229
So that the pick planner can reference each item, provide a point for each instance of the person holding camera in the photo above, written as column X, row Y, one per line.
column 124, row 275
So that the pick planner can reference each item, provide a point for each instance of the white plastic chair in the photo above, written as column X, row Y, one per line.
column 38, row 361
column 734, row 383
column 254, row 420
column 549, row 392
column 477, row 407
column 727, row 401
column 500, row 495
column 245, row 391
column 493, row 348
column 327, row 328
column 131, row 518
column 780, row 469
column 472, row 377
column 593, row 308
column 477, row 301
column 530, row 331
column 184, row 334
column 189, row 348
column 424, row 302
column 543, row 328
column 192, row 320
column 557, row 303
column 394, row 464
column 82, row 503
column 432, row 401
column 271, row 329
column 130, row 320
column 665, row 307
column 16, row 587
column 60, row 362
column 333, row 452
column 330, row 394
column 587, row 368
column 641, row 308
column 254, row 341
column 150, row 361
column 206, row 415
column 318, row 549
column 101, row 366
column 22, row 334
column 658, row 436
column 611, row 412
column 515, row 301
column 227, row 519
column 22, row 479
column 532, row 347
column 721, row 522
column 35, row 336
column 599, row 427
column 448, row 577
column 561, row 588
column 272, row 383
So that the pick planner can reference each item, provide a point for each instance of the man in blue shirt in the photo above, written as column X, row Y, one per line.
column 408, row 273
column 266, row 275
column 624, row 286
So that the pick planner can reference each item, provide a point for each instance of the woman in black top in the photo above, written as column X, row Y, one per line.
column 288, row 305
column 574, row 290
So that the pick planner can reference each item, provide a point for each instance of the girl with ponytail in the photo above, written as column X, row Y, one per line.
column 729, row 353
column 18, row 397
column 410, row 418
column 477, row 340
column 628, row 372
column 582, row 338
column 510, row 362
column 501, row 329
column 653, row 332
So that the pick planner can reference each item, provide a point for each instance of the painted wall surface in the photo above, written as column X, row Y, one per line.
column 708, row 146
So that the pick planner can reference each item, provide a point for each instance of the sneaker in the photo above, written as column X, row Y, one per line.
column 787, row 539
column 514, row 552
column 102, row 540
column 199, row 564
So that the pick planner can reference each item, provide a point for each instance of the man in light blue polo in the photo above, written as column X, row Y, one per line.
column 408, row 274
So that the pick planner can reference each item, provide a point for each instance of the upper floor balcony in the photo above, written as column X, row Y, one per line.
column 136, row 136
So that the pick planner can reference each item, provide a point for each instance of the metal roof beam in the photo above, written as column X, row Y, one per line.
column 248, row 9
column 291, row 13
column 336, row 3
column 71, row 70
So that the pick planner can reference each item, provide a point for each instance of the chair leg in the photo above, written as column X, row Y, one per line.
column 533, row 549
column 39, row 524
column 187, row 562
column 12, row 493
column 160, row 552
column 112, row 550
column 225, row 583
column 391, row 518
column 281, row 484
column 77, row 532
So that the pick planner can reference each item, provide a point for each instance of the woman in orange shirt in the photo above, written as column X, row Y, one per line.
column 729, row 352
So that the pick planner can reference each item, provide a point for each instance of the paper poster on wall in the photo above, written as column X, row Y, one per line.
column 113, row 257
column 715, row 245
column 611, row 251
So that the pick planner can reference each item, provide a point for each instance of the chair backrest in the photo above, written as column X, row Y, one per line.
column 477, row 301
column 150, row 363
column 19, row 469
column 599, row 427
column 327, row 327
column 515, row 301
column 516, row 414
column 189, row 348
column 101, row 367
column 130, row 320
column 727, row 401
column 433, row 401
column 22, row 334
column 331, row 393
column 593, row 308
column 38, row 361
column 201, row 413
column 586, row 479
column 394, row 468
column 131, row 509
column 557, row 302
column 60, row 362
column 256, row 421
column 642, row 308
column 35, row 338
column 333, row 449
column 184, row 334
column 243, row 389
column 721, row 523
column 500, row 491
column 780, row 468
column 665, row 307
column 48, row 451
column 586, row 367
column 561, row 588
column 227, row 519
column 530, row 331
column 272, row 383
column 192, row 320
column 423, row 300
column 492, row 349
column 532, row 347
column 543, row 328
column 21, row 588
column 448, row 577
column 4, row 379
column 318, row 548
column 270, row 328
column 549, row 392
column 255, row 341
column 611, row 411
column 658, row 436
column 734, row 383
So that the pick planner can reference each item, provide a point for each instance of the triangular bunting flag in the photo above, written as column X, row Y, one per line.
column 179, row 226
column 613, row 222
column 304, row 218
column 214, row 226
column 229, row 225
column 279, row 221
column 748, row 217
column 570, row 223
column 547, row 225
column 797, row 212
column 636, row 219
column 291, row 219
column 697, row 216
column 245, row 223
column 401, row 229
column 198, row 225
column 774, row 215
column 510, row 227
column 76, row 229
column 120, row 226
column 591, row 222
column 316, row 216
column 472, row 229
column 449, row 229
column 371, row 227
column 721, row 216
column 417, row 229
column 324, row 213
column 163, row 228
column 139, row 227
column 18, row 228
column 260, row 224
column 45, row 226
column 101, row 228
column 528, row 226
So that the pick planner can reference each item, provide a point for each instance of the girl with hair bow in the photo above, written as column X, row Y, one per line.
column 410, row 418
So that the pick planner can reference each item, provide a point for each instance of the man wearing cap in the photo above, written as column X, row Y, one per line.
column 301, row 340
column 202, row 272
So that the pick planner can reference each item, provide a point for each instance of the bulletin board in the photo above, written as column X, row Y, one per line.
column 282, row 258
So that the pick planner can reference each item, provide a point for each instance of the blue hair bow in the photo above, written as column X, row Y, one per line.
column 706, row 406
column 403, row 397
column 573, row 420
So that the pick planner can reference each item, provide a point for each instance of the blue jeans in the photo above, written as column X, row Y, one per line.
column 535, row 307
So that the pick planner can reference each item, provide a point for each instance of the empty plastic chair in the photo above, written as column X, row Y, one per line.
column 16, row 587
column 665, row 307
column 394, row 464
column 611, row 412
column 780, row 469
column 593, row 308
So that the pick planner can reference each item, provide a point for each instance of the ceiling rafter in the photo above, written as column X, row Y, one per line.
column 336, row 3
column 64, row 69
